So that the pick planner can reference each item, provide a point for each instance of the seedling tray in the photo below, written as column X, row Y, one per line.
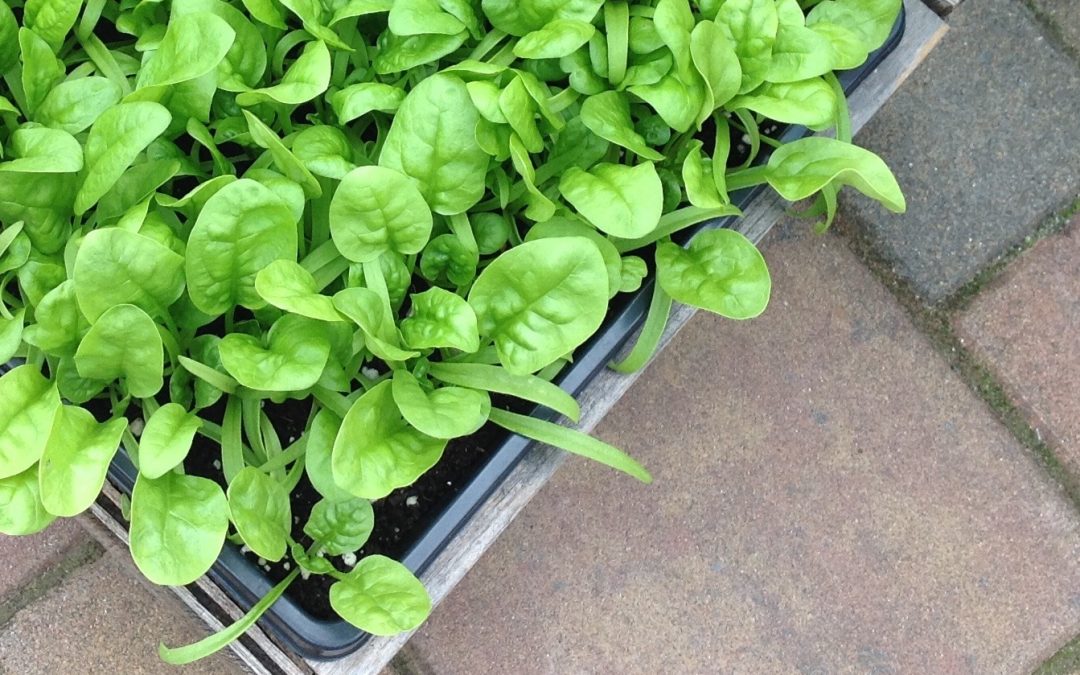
column 320, row 639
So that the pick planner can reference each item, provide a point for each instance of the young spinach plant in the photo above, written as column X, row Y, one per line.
column 383, row 211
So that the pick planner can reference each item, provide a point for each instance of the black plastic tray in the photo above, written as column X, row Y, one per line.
column 324, row 639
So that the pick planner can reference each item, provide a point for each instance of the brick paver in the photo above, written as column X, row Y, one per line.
column 25, row 561
column 1026, row 328
column 829, row 497
column 102, row 620
column 983, row 141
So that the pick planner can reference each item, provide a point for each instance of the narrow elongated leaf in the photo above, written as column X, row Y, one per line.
column 571, row 441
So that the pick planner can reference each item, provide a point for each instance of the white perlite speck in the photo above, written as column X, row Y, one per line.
column 137, row 425
column 349, row 559
column 412, row 501
column 369, row 372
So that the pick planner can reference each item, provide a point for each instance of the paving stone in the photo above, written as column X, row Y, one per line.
column 1064, row 15
column 24, row 560
column 829, row 497
column 983, row 140
column 1026, row 327
column 102, row 620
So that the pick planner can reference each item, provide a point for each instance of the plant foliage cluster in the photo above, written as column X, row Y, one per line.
column 383, row 210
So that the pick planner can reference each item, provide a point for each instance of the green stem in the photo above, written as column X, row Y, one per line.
column 486, row 44
column 671, row 223
column 104, row 61
column 745, row 178
column 649, row 338
column 331, row 400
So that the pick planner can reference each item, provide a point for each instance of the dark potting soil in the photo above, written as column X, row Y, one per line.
column 400, row 518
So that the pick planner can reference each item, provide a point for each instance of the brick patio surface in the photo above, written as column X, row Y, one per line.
column 831, row 495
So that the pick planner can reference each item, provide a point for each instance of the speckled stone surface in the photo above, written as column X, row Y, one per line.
column 102, row 620
column 24, row 560
column 829, row 497
column 984, row 141
column 1026, row 328
column 1064, row 16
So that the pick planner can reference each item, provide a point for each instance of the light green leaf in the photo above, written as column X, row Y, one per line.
column 259, row 507
column 288, row 286
column 810, row 103
column 305, row 79
column 447, row 412
column 571, row 441
column 556, row 39
column 293, row 358
column 381, row 596
column 21, row 510
column 799, row 169
column 376, row 210
column 166, row 439
column 41, row 69
column 123, row 344
column 193, row 46
column 377, row 451
column 325, row 151
column 721, row 271
column 520, row 18
column 608, row 116
column 871, row 20
column 285, row 160
column 51, row 19
column 432, row 140
column 422, row 17
column 751, row 25
column 58, row 322
column 73, row 105
column 619, row 200
column 242, row 228
column 317, row 456
column 715, row 59
column 76, row 459
column 366, row 308
column 118, row 267
column 178, row 526
column 11, row 332
column 115, row 139
column 440, row 319
column 28, row 405
column 566, row 227
column 405, row 53
column 498, row 380
column 245, row 62
column 357, row 100
column 340, row 526
column 540, row 300
column 43, row 150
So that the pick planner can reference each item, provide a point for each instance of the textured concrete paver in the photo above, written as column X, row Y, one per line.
column 1064, row 15
column 983, row 140
column 23, row 560
column 102, row 620
column 829, row 497
column 1026, row 327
